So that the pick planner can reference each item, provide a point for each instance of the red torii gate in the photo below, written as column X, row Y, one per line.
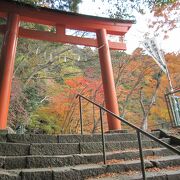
column 15, row 13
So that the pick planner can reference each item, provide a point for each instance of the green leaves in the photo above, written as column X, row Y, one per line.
column 67, row 5
column 43, row 122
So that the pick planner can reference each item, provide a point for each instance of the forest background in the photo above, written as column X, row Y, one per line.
column 48, row 76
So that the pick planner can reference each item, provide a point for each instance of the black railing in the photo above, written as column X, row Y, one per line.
column 138, row 131
column 173, row 113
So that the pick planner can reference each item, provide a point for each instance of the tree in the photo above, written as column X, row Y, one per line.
column 166, row 13
column 67, row 5
column 125, row 9
column 44, row 122
column 147, row 108
column 51, row 75
column 140, row 93
column 17, row 111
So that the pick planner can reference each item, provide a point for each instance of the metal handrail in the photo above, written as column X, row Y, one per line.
column 138, row 131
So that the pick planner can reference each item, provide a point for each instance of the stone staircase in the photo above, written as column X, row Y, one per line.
column 78, row 157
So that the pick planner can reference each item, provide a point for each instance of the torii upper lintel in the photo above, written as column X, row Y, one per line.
column 61, row 21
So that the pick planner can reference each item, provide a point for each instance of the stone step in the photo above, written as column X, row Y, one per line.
column 82, row 172
column 108, row 137
column 9, row 175
column 71, row 138
column 90, row 147
column 20, row 149
column 36, row 161
column 164, row 174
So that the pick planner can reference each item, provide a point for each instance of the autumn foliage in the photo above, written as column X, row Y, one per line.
column 48, row 76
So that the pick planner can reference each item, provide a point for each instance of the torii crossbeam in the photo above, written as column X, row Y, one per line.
column 14, row 13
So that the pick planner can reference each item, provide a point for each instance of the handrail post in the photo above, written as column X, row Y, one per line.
column 80, row 113
column 141, row 155
column 102, row 135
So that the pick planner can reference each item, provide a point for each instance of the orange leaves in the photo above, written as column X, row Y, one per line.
column 158, row 11
column 166, row 17
column 140, row 72
column 75, row 82
column 64, row 105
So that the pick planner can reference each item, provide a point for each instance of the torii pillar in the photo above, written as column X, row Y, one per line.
column 108, row 80
column 7, row 65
